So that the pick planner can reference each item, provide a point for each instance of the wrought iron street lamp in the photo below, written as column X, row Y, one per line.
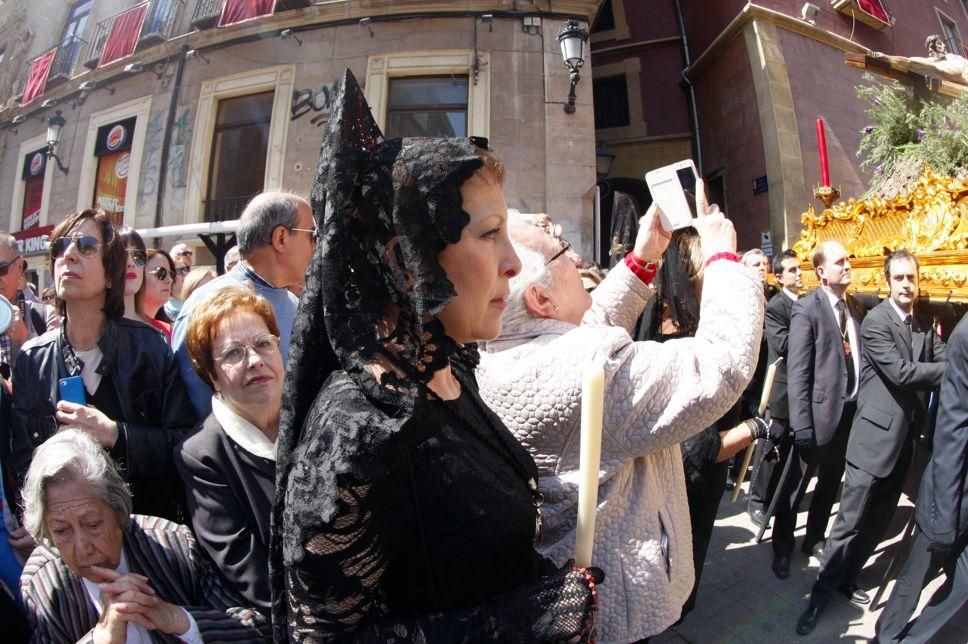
column 54, row 126
column 573, row 38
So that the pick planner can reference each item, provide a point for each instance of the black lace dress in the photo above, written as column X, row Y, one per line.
column 453, row 482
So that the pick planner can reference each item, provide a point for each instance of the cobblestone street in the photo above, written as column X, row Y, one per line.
column 740, row 599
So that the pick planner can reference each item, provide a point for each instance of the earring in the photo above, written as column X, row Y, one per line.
column 218, row 394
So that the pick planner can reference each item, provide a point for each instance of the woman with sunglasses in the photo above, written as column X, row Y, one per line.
column 134, row 270
column 114, row 378
column 159, row 278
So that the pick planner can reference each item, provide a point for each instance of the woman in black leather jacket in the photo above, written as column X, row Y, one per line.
column 136, row 405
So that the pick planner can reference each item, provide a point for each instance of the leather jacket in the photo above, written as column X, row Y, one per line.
column 155, row 410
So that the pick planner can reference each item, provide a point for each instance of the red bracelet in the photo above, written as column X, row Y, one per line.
column 645, row 271
column 733, row 257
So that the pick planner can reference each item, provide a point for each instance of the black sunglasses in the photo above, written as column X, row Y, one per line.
column 565, row 247
column 161, row 273
column 5, row 268
column 139, row 256
column 87, row 245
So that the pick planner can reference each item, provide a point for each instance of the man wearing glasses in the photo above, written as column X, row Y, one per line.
column 277, row 236
column 30, row 318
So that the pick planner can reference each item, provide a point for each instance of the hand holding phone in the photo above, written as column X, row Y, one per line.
column 669, row 186
column 72, row 390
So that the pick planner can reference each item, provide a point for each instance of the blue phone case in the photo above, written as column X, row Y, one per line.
column 72, row 390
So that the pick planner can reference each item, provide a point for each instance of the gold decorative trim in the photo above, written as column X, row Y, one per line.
column 930, row 220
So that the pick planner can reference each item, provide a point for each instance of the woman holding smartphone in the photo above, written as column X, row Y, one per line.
column 114, row 378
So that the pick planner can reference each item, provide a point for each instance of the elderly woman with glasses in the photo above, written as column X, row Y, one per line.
column 228, row 464
column 104, row 574
column 655, row 397
column 113, row 378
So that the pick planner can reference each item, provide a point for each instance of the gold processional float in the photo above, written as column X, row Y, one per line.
column 928, row 216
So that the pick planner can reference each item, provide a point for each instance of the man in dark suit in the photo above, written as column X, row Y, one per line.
column 902, row 359
column 786, row 271
column 941, row 513
column 822, row 372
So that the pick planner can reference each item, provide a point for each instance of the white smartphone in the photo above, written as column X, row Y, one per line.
column 668, row 186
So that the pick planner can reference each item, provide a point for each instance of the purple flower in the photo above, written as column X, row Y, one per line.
column 868, row 129
column 920, row 133
column 876, row 102
column 879, row 169
column 949, row 123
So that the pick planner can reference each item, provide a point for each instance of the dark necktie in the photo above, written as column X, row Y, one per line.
column 906, row 331
column 845, row 337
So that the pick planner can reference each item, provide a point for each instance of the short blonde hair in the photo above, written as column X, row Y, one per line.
column 194, row 279
column 208, row 314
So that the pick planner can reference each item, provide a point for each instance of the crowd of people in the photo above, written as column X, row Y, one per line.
column 367, row 428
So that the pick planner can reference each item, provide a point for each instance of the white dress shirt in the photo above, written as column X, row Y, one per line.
column 852, row 337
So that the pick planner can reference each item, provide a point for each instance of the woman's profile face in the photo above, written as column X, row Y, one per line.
column 480, row 264
column 134, row 274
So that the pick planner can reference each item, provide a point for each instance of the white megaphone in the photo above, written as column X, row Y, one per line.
column 6, row 314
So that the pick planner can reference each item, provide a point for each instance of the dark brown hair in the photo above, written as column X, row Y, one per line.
column 114, row 257
column 900, row 254
column 152, row 252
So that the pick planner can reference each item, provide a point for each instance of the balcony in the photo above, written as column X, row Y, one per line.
column 160, row 22
column 206, row 13
column 852, row 8
column 18, row 86
column 62, row 68
column 226, row 208
column 96, row 46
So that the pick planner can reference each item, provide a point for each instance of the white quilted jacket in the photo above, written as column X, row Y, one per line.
column 656, row 396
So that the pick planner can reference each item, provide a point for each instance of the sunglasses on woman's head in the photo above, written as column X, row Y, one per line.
column 87, row 245
column 48, row 298
column 139, row 256
column 161, row 273
column 183, row 270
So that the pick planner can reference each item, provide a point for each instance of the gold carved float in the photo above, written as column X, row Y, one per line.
column 929, row 218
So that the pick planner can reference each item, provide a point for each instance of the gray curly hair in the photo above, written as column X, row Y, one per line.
column 72, row 456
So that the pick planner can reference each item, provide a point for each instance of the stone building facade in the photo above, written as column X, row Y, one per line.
column 200, row 117
column 739, row 86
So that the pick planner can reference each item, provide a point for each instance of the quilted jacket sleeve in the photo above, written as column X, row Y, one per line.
column 619, row 300
column 659, row 394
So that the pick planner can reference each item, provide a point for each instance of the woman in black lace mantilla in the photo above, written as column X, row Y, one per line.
column 405, row 511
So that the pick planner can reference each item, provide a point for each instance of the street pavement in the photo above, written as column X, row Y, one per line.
column 740, row 600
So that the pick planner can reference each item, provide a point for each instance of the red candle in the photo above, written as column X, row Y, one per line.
column 822, row 145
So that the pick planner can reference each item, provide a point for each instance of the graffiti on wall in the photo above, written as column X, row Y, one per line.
column 180, row 148
column 149, row 167
column 318, row 100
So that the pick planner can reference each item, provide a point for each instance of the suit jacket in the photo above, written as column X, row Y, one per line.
column 778, row 311
column 942, row 507
column 230, row 493
column 61, row 611
column 817, row 371
column 895, row 376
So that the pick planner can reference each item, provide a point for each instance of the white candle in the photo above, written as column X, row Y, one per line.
column 767, row 386
column 590, row 456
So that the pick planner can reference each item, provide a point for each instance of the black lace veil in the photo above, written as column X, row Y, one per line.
column 385, row 209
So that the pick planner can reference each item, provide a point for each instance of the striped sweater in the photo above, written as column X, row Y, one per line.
column 61, row 611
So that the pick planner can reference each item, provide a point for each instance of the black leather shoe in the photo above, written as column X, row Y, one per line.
column 813, row 548
column 758, row 517
column 781, row 567
column 808, row 620
column 856, row 595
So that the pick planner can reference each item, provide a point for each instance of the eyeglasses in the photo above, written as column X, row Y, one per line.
column 565, row 247
column 48, row 298
column 161, row 274
column 185, row 252
column 313, row 233
column 139, row 256
column 264, row 345
column 5, row 268
column 87, row 245
column 183, row 270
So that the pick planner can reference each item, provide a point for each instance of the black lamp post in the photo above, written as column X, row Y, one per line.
column 572, row 38
column 54, row 126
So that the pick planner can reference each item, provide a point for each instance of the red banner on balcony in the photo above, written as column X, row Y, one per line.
column 123, row 35
column 875, row 8
column 37, row 76
column 234, row 11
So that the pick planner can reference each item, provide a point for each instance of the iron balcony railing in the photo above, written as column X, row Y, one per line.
column 96, row 46
column 206, row 13
column 160, row 22
column 18, row 86
column 226, row 208
column 68, row 53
